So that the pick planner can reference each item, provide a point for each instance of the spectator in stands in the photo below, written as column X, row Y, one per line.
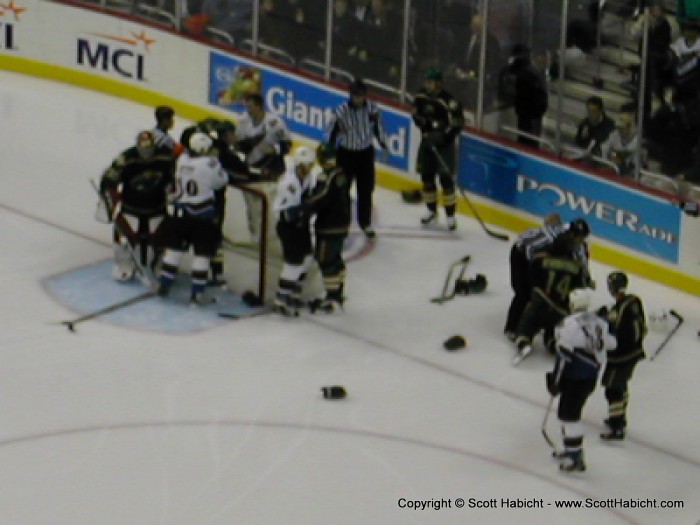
column 686, row 62
column 235, row 17
column 381, row 34
column 659, row 43
column 295, row 27
column 621, row 146
column 595, row 129
column 345, row 34
column 672, row 133
column 526, row 87
column 465, row 76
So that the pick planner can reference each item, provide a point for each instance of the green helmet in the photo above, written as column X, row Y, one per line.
column 617, row 282
column 325, row 152
column 433, row 73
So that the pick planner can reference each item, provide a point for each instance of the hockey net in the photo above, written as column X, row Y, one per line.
column 251, row 250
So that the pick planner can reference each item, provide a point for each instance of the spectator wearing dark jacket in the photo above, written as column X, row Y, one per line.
column 595, row 129
column 529, row 94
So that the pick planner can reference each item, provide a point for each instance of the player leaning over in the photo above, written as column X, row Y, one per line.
column 439, row 117
column 294, row 230
column 553, row 275
column 627, row 322
column 264, row 139
column 330, row 202
column 192, row 222
column 134, row 190
column 582, row 341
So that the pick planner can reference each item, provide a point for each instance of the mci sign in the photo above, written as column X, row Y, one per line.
column 115, row 57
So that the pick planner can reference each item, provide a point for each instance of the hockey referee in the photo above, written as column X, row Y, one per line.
column 353, row 128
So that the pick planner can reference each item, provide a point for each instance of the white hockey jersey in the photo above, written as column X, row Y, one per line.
column 272, row 130
column 196, row 180
column 291, row 190
column 583, row 342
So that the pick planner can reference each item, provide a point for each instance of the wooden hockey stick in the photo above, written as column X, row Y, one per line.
column 108, row 309
column 545, row 435
column 446, row 169
column 444, row 296
column 679, row 319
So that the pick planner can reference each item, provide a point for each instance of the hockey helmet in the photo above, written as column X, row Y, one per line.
column 358, row 87
column 164, row 113
column 617, row 282
column 326, row 153
column 146, row 144
column 304, row 155
column 433, row 73
column 224, row 127
column 580, row 300
column 579, row 228
column 200, row 143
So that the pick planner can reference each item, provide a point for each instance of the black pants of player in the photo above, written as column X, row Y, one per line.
column 295, row 240
column 574, row 394
column 539, row 315
column 188, row 231
column 616, row 378
column 431, row 168
column 520, row 282
column 358, row 165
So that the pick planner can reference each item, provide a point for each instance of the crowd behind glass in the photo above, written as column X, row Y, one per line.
column 646, row 76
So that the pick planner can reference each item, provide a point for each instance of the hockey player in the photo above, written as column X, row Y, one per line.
column 527, row 244
column 439, row 117
column 553, row 275
column 193, row 220
column 165, row 120
column 134, row 189
column 627, row 322
column 223, row 135
column 264, row 140
column 293, row 230
column 330, row 202
column 582, row 341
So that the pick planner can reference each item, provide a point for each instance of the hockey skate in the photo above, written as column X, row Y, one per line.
column 369, row 233
column 328, row 305
column 430, row 218
column 617, row 434
column 285, row 307
column 573, row 462
column 524, row 350
column 451, row 223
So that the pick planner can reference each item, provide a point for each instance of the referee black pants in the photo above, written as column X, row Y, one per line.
column 358, row 166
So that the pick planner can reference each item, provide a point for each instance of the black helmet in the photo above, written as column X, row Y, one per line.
column 617, row 282
column 358, row 87
column 164, row 113
column 579, row 228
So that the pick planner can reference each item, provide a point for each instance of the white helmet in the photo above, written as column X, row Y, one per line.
column 200, row 143
column 304, row 155
column 580, row 300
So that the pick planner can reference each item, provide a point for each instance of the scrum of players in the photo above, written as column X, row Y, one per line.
column 165, row 197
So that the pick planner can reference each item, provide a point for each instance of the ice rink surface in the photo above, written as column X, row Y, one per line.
column 227, row 426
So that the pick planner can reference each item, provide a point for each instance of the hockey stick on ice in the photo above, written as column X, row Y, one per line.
column 545, row 435
column 679, row 319
column 108, row 309
column 462, row 265
column 446, row 169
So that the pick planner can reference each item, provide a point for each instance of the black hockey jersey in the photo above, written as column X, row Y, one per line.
column 438, row 113
column 330, row 202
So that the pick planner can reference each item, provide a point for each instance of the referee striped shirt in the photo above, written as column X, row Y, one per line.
column 535, row 240
column 354, row 128
column 163, row 139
